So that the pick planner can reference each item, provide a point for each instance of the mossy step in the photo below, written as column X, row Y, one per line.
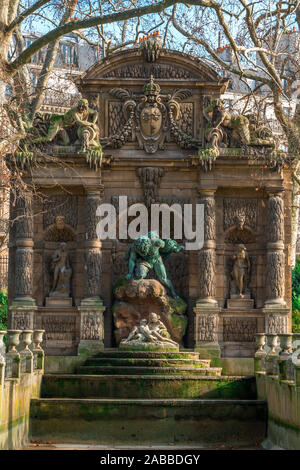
column 110, row 353
column 147, row 386
column 100, row 370
column 158, row 421
column 115, row 361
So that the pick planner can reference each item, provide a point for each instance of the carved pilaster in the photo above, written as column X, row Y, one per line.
column 23, row 306
column 275, row 277
column 207, row 255
column 24, row 250
column 91, row 308
column 92, row 244
column 206, row 312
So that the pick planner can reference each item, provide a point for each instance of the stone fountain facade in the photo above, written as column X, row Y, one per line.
column 158, row 146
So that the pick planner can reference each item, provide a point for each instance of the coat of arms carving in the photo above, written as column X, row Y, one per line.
column 150, row 118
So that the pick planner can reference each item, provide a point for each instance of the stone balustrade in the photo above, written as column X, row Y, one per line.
column 277, row 356
column 21, row 372
column 277, row 371
column 22, row 354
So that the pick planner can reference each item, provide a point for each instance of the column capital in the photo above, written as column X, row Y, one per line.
column 207, row 190
column 274, row 191
column 97, row 189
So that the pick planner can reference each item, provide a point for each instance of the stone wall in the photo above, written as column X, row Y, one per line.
column 20, row 380
column 278, row 382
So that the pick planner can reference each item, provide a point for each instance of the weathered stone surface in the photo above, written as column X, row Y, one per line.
column 136, row 299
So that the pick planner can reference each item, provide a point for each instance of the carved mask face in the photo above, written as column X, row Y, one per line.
column 240, row 221
column 60, row 222
column 151, row 121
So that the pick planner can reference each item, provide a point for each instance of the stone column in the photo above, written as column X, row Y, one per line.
column 207, row 309
column 92, row 308
column 276, row 319
column 23, row 306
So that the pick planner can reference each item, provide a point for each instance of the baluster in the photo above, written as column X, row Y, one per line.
column 260, row 355
column 25, row 353
column 37, row 350
column 271, row 358
column 284, row 355
column 12, row 355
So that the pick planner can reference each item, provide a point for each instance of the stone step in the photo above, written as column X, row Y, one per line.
column 132, row 370
column 114, row 352
column 142, row 362
column 161, row 421
column 147, row 386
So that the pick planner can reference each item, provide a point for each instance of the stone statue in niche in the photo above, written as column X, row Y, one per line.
column 62, row 272
column 148, row 335
column 241, row 269
column 239, row 291
column 148, row 252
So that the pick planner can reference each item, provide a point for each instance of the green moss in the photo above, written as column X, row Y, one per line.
column 284, row 424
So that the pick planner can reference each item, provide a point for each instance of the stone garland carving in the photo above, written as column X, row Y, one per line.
column 276, row 219
column 93, row 268
column 91, row 326
column 150, row 178
column 23, row 272
column 146, row 70
column 239, row 212
column 207, row 269
column 275, row 274
column 276, row 324
column 206, row 328
column 239, row 329
column 60, row 205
